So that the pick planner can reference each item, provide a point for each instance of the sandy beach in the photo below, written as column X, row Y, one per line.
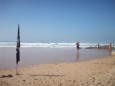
column 99, row 72
column 57, row 42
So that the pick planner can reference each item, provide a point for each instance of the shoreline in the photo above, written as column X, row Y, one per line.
column 86, row 60
column 47, row 56
column 95, row 72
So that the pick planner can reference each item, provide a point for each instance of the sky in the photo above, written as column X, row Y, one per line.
column 58, row 20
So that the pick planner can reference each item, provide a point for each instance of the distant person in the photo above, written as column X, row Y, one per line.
column 77, row 44
column 110, row 48
column 98, row 46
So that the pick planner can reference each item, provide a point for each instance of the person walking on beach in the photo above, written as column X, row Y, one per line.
column 77, row 44
column 110, row 48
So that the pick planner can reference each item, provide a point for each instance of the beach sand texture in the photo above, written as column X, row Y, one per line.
column 113, row 53
column 99, row 72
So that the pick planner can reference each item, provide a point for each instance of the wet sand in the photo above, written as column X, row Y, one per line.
column 32, row 56
column 99, row 72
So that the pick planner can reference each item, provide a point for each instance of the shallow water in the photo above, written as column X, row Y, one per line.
column 32, row 56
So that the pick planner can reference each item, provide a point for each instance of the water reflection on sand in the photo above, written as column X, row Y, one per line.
column 31, row 56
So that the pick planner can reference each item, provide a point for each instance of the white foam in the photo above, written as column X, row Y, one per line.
column 48, row 45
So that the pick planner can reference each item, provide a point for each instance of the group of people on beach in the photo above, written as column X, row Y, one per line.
column 109, row 47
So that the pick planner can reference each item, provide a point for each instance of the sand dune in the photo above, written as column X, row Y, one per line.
column 100, row 72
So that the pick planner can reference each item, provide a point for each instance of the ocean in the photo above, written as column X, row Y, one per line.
column 49, row 45
column 47, row 53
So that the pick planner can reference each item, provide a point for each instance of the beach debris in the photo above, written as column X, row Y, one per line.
column 35, row 79
column 24, row 80
column 9, row 76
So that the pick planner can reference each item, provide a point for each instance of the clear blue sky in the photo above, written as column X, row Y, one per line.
column 58, row 20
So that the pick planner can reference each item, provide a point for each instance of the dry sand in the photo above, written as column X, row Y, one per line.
column 100, row 72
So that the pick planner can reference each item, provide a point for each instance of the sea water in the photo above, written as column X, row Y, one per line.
column 49, row 45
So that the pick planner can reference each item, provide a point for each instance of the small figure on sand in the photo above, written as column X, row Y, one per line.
column 110, row 48
column 77, row 44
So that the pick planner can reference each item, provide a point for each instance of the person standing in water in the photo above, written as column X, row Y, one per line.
column 77, row 44
column 77, row 55
column 110, row 48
